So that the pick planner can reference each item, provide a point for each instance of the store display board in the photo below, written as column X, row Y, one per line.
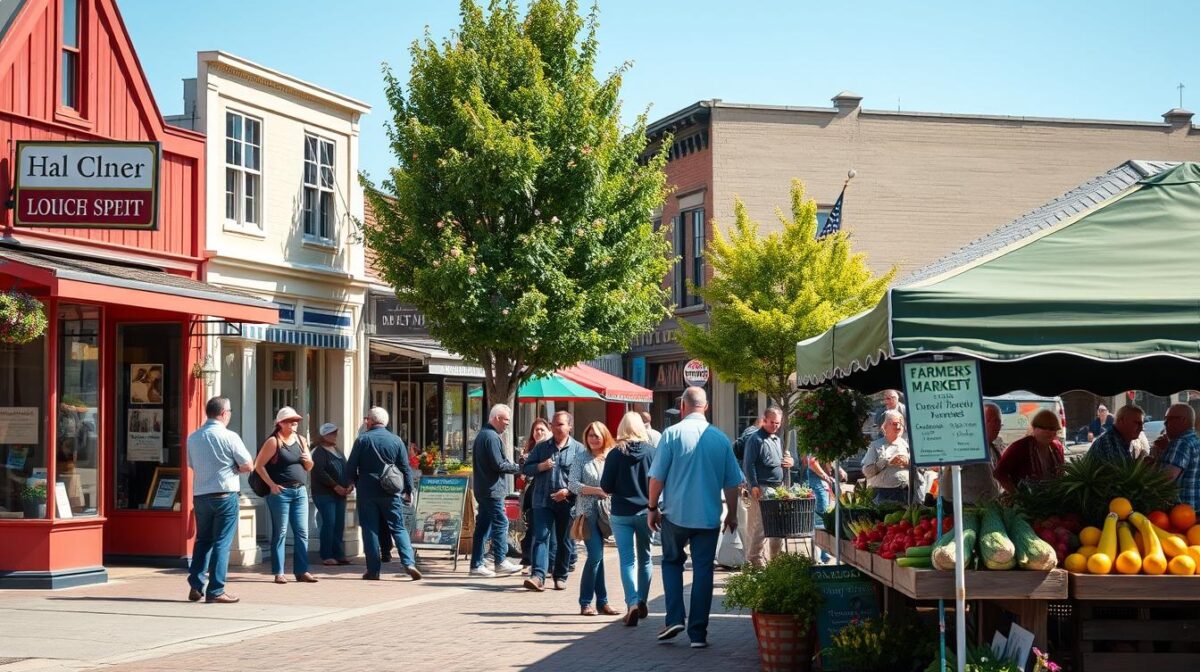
column 849, row 595
column 439, row 508
column 945, row 412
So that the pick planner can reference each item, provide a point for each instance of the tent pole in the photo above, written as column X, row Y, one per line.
column 960, row 577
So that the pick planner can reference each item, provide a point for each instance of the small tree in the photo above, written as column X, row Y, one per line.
column 769, row 293
column 519, row 217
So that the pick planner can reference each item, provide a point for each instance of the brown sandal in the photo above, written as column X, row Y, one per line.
column 279, row 578
column 587, row 611
column 329, row 563
column 607, row 609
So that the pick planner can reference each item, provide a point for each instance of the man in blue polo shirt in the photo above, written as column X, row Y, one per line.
column 693, row 464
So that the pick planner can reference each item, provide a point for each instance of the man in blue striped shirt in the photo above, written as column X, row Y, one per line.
column 1182, row 459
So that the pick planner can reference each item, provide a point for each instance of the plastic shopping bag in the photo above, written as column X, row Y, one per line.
column 730, row 552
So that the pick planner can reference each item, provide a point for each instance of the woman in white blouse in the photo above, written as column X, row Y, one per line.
column 886, row 462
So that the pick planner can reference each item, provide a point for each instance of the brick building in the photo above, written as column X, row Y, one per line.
column 926, row 184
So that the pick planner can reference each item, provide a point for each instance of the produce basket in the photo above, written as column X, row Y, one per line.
column 788, row 517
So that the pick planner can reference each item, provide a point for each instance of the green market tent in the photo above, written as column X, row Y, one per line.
column 1098, row 290
column 551, row 388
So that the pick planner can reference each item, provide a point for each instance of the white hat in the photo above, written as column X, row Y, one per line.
column 327, row 429
column 286, row 413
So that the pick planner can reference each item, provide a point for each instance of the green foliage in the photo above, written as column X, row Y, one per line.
column 518, row 218
column 828, row 421
column 768, row 293
column 34, row 493
column 22, row 318
column 1087, row 484
column 979, row 659
column 784, row 586
column 882, row 645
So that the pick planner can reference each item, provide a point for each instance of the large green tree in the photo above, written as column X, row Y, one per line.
column 519, row 217
column 768, row 293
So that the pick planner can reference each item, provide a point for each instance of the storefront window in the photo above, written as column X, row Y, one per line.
column 22, row 430
column 747, row 409
column 474, row 414
column 283, row 382
column 433, row 414
column 452, row 420
column 149, row 403
column 78, row 441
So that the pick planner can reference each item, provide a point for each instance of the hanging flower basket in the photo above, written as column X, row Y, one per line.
column 22, row 318
column 829, row 423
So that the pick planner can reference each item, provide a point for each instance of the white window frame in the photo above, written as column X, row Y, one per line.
column 319, row 190
column 242, row 172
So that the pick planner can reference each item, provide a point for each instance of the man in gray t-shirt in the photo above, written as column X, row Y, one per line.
column 216, row 456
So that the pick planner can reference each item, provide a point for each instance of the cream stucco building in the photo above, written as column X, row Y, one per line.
column 282, row 212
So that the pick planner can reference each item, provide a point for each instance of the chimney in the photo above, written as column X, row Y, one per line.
column 847, row 102
column 1178, row 117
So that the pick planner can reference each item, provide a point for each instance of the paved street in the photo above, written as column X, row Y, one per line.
column 140, row 621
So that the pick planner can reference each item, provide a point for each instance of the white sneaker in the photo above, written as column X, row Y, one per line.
column 507, row 567
column 482, row 571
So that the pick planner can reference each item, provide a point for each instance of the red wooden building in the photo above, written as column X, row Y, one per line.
column 105, row 227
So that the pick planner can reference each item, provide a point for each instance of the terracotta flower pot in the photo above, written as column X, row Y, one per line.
column 783, row 644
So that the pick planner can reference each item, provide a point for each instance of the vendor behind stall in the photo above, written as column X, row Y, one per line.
column 886, row 463
column 978, row 483
column 1034, row 457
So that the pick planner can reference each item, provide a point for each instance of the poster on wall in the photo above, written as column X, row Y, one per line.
column 19, row 425
column 145, row 383
column 143, row 430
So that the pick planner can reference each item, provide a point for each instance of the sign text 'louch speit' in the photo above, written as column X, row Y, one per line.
column 108, row 185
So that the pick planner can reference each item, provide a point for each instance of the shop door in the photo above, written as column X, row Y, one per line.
column 383, row 395
column 282, row 383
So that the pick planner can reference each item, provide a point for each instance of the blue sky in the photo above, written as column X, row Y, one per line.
column 1097, row 59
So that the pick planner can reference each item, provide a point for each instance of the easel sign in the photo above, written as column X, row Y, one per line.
column 945, row 412
column 164, row 489
column 439, row 513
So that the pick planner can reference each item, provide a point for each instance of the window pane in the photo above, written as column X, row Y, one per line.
column 252, row 154
column 233, row 126
column 310, row 148
column 148, row 407
column 326, row 213
column 326, row 153
column 309, row 214
column 452, row 421
column 78, row 441
column 23, row 450
column 70, row 23
column 70, row 75
column 252, row 132
column 310, row 173
column 251, row 182
column 326, row 177
column 231, row 198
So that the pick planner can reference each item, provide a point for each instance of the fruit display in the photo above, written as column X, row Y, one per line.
column 1086, row 487
column 1154, row 544
column 999, row 539
column 899, row 531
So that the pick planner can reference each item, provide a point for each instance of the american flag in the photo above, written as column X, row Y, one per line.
column 833, row 223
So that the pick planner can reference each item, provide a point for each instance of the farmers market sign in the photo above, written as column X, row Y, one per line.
column 109, row 185
column 945, row 412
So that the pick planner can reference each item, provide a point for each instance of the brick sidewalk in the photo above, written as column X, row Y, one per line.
column 445, row 622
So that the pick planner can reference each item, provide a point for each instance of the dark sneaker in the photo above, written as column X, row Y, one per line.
column 370, row 577
column 535, row 584
column 560, row 584
column 669, row 632
column 223, row 598
column 699, row 645
column 412, row 571
column 643, row 611
column 194, row 595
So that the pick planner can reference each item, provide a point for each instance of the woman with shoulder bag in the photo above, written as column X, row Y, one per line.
column 283, row 462
column 626, row 478
column 329, row 490
column 585, row 483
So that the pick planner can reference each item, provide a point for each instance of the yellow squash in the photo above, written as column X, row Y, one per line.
column 1106, row 551
column 1154, row 562
column 1171, row 544
column 1130, row 560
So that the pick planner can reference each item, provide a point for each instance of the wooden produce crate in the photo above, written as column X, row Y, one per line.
column 1136, row 587
column 932, row 584
column 1143, row 636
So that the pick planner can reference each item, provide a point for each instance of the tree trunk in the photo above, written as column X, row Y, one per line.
column 502, row 389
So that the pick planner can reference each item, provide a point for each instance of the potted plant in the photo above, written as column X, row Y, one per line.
column 429, row 459
column 33, row 497
column 783, row 600
column 22, row 318
column 829, row 421
column 883, row 644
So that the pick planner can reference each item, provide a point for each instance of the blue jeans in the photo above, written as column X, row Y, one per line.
column 551, row 532
column 491, row 522
column 591, row 582
column 216, row 522
column 289, row 507
column 633, row 538
column 331, row 512
column 822, row 503
column 375, row 511
column 704, row 551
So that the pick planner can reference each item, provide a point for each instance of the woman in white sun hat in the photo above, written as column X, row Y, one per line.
column 283, row 463
column 329, row 490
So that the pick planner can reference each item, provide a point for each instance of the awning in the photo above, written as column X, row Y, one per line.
column 98, row 282
column 550, row 388
column 430, row 353
column 1103, row 299
column 609, row 386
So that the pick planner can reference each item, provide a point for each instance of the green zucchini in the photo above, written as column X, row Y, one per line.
column 919, row 551
column 915, row 563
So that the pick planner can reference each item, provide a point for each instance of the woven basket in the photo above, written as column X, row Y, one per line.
column 788, row 517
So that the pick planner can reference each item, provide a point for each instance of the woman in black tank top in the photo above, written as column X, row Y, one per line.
column 283, row 462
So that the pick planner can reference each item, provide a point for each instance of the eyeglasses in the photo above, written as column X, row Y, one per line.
column 1046, row 429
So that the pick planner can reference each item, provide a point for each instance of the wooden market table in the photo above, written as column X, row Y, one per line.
column 1023, row 594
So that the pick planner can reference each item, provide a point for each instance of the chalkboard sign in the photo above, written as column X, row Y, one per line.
column 439, row 510
column 849, row 595
column 945, row 412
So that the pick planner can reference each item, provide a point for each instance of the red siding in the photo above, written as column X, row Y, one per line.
column 116, row 105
